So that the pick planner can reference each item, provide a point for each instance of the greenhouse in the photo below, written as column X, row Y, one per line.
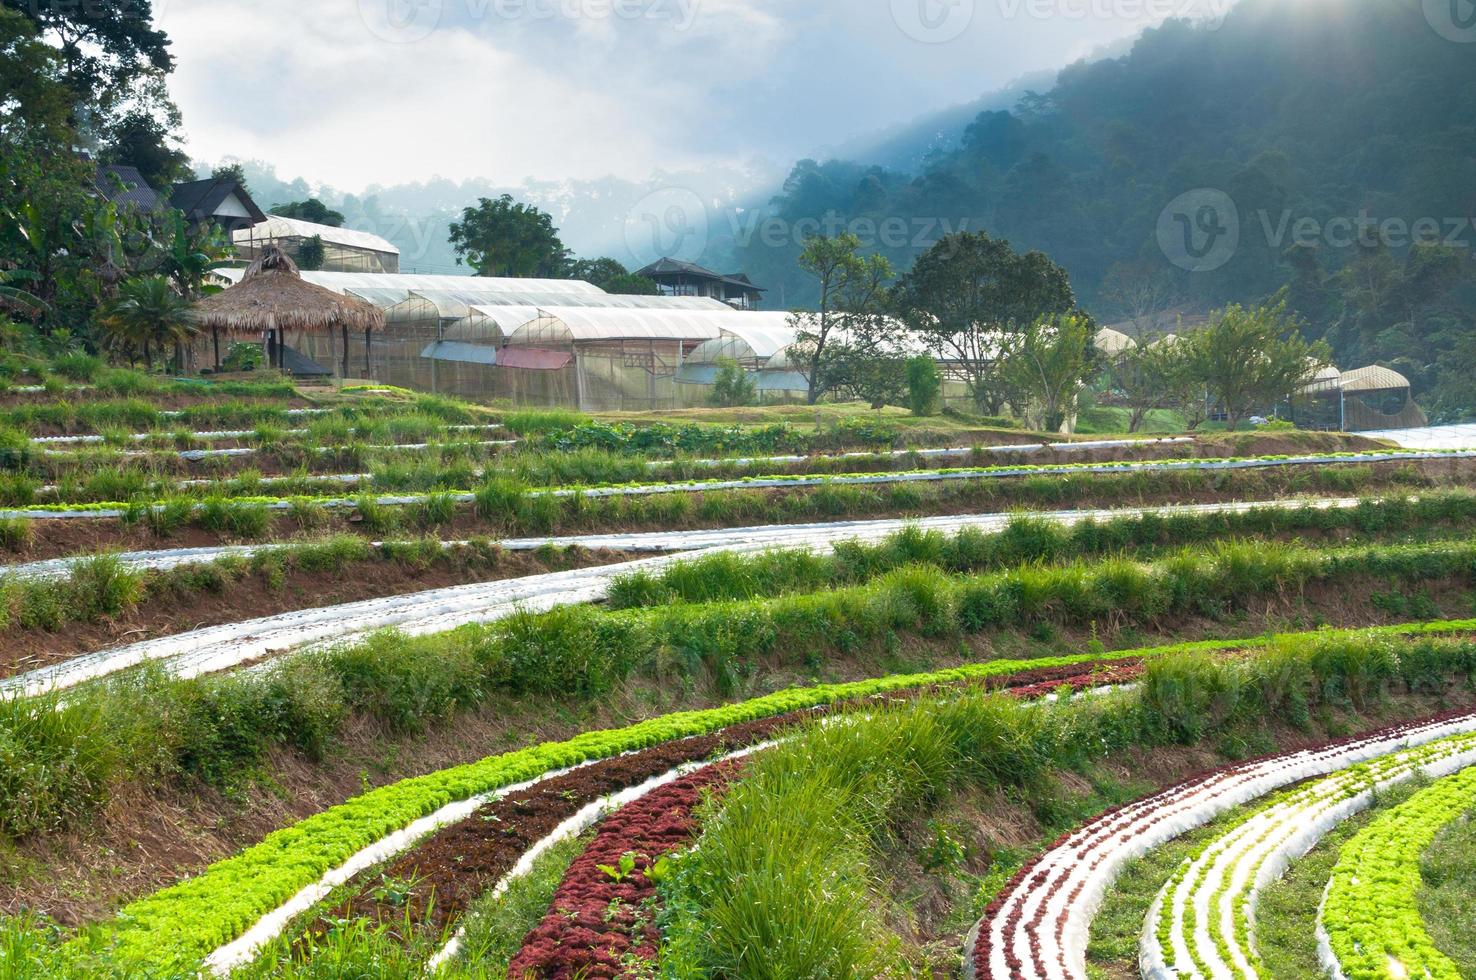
column 758, row 342
column 604, row 359
column 343, row 249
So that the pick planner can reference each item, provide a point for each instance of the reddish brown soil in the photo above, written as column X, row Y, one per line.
column 598, row 927
column 165, row 613
column 56, row 538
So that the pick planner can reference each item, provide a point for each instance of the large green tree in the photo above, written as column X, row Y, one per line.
column 968, row 294
column 312, row 210
column 1048, row 364
column 613, row 277
column 503, row 237
column 836, row 344
column 1252, row 360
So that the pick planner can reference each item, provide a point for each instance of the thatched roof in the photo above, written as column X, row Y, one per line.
column 273, row 296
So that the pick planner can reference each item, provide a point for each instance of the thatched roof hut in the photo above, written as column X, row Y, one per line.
column 273, row 298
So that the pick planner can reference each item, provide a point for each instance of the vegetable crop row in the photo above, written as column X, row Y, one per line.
column 1370, row 920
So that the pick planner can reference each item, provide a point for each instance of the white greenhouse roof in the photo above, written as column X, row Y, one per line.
column 341, row 282
column 594, row 323
column 276, row 226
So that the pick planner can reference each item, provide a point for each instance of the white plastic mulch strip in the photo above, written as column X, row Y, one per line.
column 578, row 824
column 217, row 648
column 194, row 455
column 1208, row 911
column 777, row 535
column 1043, row 921
column 961, row 452
column 761, row 483
column 210, row 436
column 353, row 479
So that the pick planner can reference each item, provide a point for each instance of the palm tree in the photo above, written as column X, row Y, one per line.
column 148, row 314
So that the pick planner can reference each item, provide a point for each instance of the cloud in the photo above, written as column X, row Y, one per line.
column 354, row 92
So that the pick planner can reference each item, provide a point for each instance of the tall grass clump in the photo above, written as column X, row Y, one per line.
column 77, row 367
column 16, row 533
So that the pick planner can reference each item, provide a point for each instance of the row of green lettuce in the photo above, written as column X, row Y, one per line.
column 168, row 933
column 1371, row 913
column 780, row 480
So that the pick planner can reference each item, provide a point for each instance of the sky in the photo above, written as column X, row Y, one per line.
column 355, row 93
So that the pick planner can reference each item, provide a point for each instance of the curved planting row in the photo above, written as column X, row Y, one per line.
column 1370, row 925
column 772, row 535
column 459, row 858
column 1203, row 921
column 1039, row 924
column 1142, row 591
column 257, row 892
column 219, row 434
column 117, row 510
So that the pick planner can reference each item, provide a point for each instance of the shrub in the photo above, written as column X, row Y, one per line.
column 16, row 533
column 732, row 386
column 77, row 367
column 924, row 386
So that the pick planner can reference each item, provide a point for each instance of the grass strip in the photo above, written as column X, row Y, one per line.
column 726, row 576
column 1447, row 897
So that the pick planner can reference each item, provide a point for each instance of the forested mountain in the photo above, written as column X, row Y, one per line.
column 1313, row 118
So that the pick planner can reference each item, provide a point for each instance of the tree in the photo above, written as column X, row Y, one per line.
column 1149, row 375
column 505, row 238
column 852, row 290
column 967, row 294
column 611, row 276
column 1049, row 362
column 1141, row 292
column 312, row 210
column 311, row 255
column 732, row 386
column 141, row 139
column 104, row 46
column 631, row 284
column 1251, row 360
column 148, row 315
column 924, row 385
column 231, row 171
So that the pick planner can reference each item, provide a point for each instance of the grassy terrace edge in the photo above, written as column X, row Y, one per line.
column 175, row 928
column 778, row 481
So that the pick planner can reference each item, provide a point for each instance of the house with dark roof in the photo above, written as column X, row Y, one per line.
column 126, row 187
column 678, row 278
column 216, row 201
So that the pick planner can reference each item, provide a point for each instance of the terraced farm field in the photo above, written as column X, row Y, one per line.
column 364, row 683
